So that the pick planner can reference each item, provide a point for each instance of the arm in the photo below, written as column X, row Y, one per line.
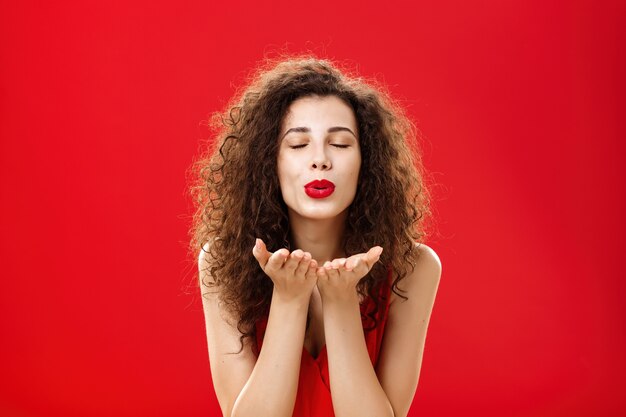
column 245, row 385
column 400, row 359
column 354, row 385
column 272, row 386
column 348, row 359
column 389, row 390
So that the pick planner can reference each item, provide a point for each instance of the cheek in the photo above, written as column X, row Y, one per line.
column 280, row 168
column 356, row 168
column 285, row 173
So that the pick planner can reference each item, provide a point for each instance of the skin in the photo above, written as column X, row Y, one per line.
column 319, row 279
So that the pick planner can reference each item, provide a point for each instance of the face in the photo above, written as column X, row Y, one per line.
column 319, row 157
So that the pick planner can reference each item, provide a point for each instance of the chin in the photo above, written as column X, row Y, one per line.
column 318, row 215
column 325, row 213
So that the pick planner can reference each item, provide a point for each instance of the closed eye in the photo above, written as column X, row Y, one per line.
column 336, row 145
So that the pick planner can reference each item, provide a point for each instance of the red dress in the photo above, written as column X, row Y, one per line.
column 313, row 397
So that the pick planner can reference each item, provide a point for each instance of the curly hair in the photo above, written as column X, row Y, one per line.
column 238, row 198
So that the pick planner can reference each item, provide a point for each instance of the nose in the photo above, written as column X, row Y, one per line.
column 319, row 158
column 321, row 161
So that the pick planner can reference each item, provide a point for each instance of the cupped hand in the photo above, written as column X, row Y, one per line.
column 339, row 278
column 293, row 274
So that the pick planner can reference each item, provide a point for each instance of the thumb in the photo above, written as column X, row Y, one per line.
column 373, row 255
column 261, row 253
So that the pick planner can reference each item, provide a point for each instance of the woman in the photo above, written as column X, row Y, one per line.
column 316, row 294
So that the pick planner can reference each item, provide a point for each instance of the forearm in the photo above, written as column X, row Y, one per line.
column 272, row 386
column 354, row 386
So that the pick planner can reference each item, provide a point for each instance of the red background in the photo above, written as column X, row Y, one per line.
column 521, row 104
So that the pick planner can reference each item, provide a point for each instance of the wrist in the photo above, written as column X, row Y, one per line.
column 292, row 301
column 344, row 297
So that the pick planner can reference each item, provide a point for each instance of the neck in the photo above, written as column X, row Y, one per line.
column 321, row 238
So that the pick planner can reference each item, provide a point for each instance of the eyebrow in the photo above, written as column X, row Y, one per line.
column 308, row 129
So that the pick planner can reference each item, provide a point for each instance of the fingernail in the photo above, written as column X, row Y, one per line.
column 378, row 251
column 257, row 243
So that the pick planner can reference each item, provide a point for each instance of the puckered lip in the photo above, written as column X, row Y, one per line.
column 320, row 184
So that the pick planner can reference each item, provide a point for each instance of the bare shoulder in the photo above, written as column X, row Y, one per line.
column 402, row 351
column 206, row 280
column 209, row 290
column 204, row 259
column 204, row 263
column 423, row 280
column 229, row 371
column 428, row 262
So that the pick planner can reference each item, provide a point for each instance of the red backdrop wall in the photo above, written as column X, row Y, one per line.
column 521, row 105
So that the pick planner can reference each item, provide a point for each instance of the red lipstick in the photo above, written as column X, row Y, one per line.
column 319, row 188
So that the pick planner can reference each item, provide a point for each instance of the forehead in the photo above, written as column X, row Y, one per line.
column 315, row 110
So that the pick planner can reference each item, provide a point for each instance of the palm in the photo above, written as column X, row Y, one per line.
column 343, row 274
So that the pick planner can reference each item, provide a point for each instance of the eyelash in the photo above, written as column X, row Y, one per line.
column 335, row 145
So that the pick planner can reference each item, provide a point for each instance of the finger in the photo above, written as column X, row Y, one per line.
column 321, row 274
column 303, row 266
column 294, row 259
column 359, row 266
column 311, row 272
column 372, row 256
column 338, row 263
column 359, row 259
column 277, row 260
column 352, row 262
column 330, row 271
column 261, row 253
